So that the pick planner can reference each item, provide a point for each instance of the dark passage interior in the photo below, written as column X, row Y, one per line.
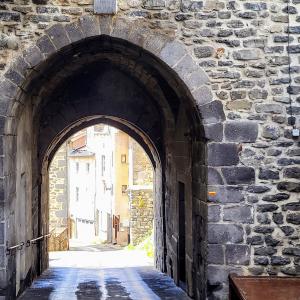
column 110, row 81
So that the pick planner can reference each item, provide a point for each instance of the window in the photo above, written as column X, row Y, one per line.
column 77, row 167
column 123, row 158
column 124, row 189
column 77, row 193
column 88, row 167
column 102, row 165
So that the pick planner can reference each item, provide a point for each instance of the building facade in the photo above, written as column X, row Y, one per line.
column 101, row 190
column 210, row 88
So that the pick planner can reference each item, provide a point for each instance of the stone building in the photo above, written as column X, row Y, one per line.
column 209, row 88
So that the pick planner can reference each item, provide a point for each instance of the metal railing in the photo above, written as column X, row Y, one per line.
column 10, row 250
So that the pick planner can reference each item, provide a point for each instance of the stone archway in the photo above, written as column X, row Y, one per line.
column 181, row 116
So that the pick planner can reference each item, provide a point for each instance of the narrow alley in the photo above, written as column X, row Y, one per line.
column 102, row 272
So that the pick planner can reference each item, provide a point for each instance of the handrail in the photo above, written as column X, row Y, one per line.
column 28, row 243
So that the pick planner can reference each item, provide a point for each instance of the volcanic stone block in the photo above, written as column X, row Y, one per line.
column 255, row 240
column 264, row 251
column 215, row 254
column 278, row 218
column 247, row 54
column 58, row 36
column 270, row 241
column 241, row 131
column 276, row 197
column 239, row 175
column 238, row 214
column 291, row 251
column 225, row 233
column 264, row 261
column 45, row 45
column 293, row 206
column 289, row 186
column 287, row 230
column 228, row 194
column 280, row 261
column 172, row 53
column 222, row 154
column 214, row 177
column 213, row 213
column 263, row 229
column 214, row 132
column 33, row 56
column 258, row 189
column 105, row 6
column 293, row 172
column 267, row 174
column 237, row 254
column 267, row 207
column 293, row 219
column 212, row 112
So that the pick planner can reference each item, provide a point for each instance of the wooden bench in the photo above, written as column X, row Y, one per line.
column 263, row 288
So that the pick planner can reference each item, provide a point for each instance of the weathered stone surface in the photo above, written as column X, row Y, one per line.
column 214, row 213
column 222, row 154
column 215, row 254
column 289, row 186
column 238, row 175
column 276, row 197
column 291, row 251
column 255, row 240
column 225, row 233
column 265, row 251
column 271, row 132
column 278, row 218
column 293, row 218
column 214, row 132
column 293, row 172
column 258, row 189
column 238, row 214
column 237, row 254
column 270, row 241
column 261, row 261
column 214, row 177
column 225, row 195
column 172, row 53
column 279, row 260
column 203, row 52
column 241, row 131
column 247, row 55
column 263, row 229
column 212, row 112
column 288, row 230
column 267, row 207
column 269, row 108
column 293, row 206
column 58, row 36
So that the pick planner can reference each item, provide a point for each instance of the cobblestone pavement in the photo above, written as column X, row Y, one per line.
column 91, row 275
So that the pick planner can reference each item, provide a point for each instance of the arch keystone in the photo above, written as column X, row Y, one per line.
column 90, row 26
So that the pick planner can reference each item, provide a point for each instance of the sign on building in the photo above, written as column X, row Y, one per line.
column 105, row 6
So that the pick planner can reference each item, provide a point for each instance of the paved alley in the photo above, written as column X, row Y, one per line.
column 102, row 273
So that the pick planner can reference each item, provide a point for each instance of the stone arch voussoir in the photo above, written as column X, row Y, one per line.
column 162, row 45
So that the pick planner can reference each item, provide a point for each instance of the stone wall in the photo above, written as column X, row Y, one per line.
column 141, row 215
column 140, row 194
column 58, row 201
column 250, row 51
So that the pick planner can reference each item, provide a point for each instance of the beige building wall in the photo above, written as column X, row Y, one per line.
column 121, row 206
